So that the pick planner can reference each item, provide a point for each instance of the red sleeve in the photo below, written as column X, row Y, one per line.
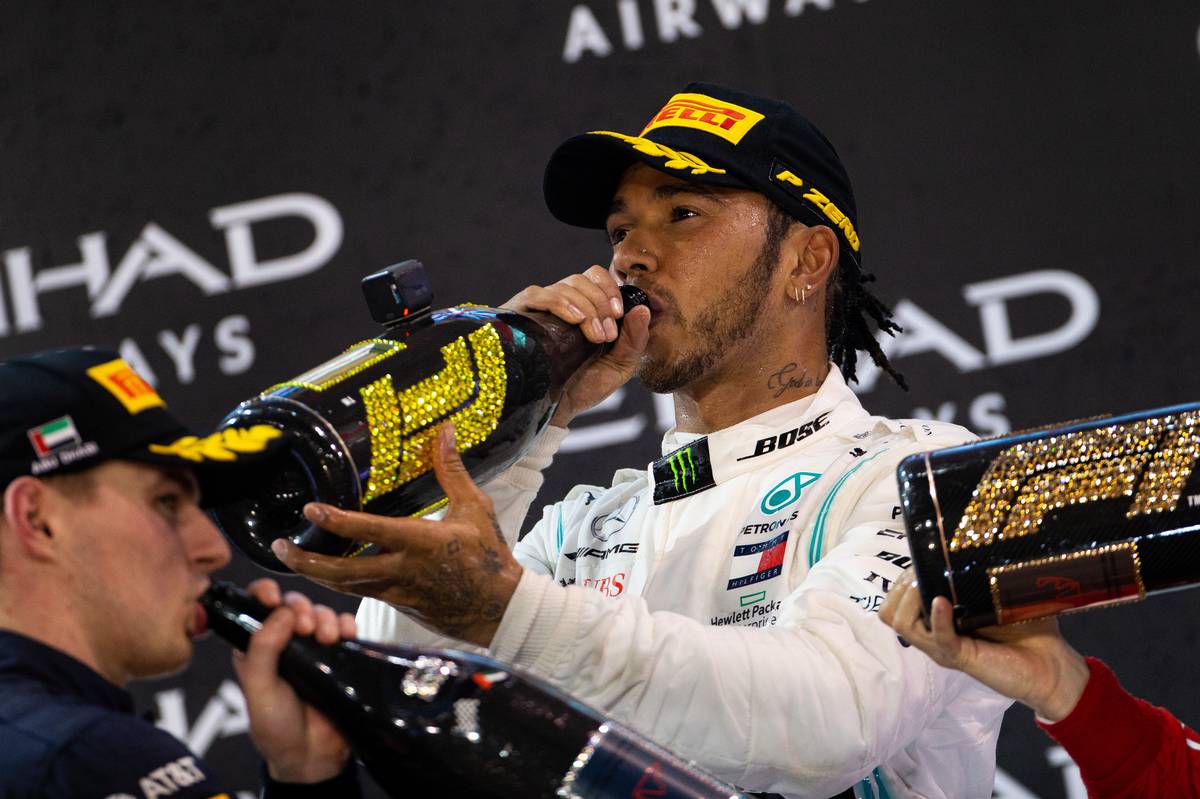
column 1125, row 747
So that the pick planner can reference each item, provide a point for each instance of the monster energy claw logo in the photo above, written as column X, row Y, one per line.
column 682, row 473
column 683, row 468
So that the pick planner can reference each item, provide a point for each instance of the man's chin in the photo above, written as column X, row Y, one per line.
column 659, row 376
column 165, row 665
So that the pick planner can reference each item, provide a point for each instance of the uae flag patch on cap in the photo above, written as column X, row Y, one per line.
column 52, row 435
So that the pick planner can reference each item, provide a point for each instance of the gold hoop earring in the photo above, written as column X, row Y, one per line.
column 795, row 294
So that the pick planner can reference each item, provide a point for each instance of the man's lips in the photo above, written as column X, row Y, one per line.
column 199, row 621
column 658, row 308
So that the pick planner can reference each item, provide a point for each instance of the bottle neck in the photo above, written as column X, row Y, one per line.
column 232, row 613
column 565, row 346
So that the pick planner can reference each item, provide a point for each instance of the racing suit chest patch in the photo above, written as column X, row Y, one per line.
column 602, row 554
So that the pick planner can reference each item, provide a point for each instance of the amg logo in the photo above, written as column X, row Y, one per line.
column 787, row 438
column 629, row 548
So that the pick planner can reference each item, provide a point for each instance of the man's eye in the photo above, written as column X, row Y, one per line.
column 169, row 503
column 679, row 213
column 617, row 235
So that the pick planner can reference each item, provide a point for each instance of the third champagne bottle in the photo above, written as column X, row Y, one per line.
column 446, row 723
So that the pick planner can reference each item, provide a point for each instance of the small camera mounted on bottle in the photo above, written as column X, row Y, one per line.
column 399, row 294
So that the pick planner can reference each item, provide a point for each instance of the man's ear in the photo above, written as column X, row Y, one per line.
column 820, row 255
column 812, row 257
column 27, row 502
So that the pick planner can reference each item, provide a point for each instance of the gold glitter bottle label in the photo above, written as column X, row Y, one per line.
column 468, row 391
column 1148, row 460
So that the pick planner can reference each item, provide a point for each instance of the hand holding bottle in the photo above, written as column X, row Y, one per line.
column 1030, row 662
column 591, row 300
column 298, row 743
column 455, row 574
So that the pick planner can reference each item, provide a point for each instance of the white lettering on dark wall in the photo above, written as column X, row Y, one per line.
column 156, row 253
column 923, row 333
column 673, row 20
column 223, row 715
column 230, row 336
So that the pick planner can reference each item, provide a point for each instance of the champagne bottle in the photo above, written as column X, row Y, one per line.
column 446, row 723
column 361, row 427
column 1058, row 519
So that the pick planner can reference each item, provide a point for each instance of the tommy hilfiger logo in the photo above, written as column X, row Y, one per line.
column 753, row 563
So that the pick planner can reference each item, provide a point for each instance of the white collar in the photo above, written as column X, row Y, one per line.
column 691, row 464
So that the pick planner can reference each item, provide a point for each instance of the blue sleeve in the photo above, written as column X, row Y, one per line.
column 125, row 757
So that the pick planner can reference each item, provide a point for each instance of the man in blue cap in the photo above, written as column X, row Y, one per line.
column 104, row 552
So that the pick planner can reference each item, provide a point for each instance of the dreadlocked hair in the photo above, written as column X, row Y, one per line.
column 848, row 311
column 847, row 329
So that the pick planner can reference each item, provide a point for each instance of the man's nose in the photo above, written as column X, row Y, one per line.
column 633, row 254
column 207, row 547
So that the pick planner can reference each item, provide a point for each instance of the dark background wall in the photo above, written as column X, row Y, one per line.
column 201, row 184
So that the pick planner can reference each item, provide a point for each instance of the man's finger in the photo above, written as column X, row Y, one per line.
column 942, row 626
column 261, row 662
column 266, row 591
column 451, row 472
column 889, row 610
column 390, row 532
column 330, row 568
column 326, row 626
column 347, row 625
column 635, row 333
column 604, row 280
column 302, row 607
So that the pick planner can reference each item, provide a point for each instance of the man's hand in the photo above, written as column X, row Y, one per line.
column 298, row 743
column 455, row 575
column 593, row 301
column 1030, row 662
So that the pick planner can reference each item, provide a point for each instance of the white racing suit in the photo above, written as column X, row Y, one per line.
column 723, row 602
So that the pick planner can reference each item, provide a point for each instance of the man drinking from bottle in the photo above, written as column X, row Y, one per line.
column 104, row 551
column 721, row 599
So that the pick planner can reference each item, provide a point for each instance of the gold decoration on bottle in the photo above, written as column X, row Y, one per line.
column 469, row 392
column 356, row 358
column 1149, row 460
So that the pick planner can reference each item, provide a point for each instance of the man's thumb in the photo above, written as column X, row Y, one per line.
column 635, row 332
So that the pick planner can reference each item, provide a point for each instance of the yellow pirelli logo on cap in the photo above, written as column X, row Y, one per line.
column 119, row 379
column 730, row 122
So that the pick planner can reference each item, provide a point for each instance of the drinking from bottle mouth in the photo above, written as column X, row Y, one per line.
column 360, row 428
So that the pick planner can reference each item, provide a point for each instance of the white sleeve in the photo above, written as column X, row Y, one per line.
column 807, row 707
column 512, row 491
column 516, row 487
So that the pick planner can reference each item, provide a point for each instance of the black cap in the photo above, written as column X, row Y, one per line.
column 720, row 136
column 67, row 410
